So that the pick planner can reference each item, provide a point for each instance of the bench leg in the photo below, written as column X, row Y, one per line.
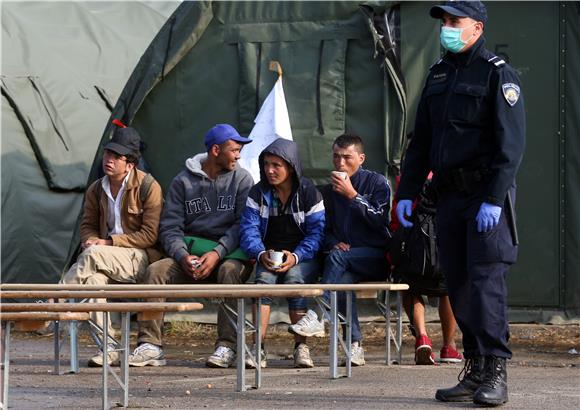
column 388, row 333
column 241, row 349
column 348, row 347
column 57, row 347
column 400, row 326
column 394, row 337
column 5, row 353
column 333, row 349
column 258, row 344
column 125, row 326
column 105, row 347
column 74, row 346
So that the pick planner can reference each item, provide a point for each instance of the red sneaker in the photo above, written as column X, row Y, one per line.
column 449, row 355
column 424, row 351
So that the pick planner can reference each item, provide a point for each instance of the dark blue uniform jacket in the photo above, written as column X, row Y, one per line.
column 470, row 116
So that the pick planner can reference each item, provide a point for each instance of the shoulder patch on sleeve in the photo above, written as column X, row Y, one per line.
column 511, row 93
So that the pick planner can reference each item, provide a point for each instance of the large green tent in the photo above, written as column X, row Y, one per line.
column 360, row 67
column 64, row 65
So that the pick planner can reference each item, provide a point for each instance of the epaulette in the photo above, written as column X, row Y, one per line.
column 438, row 62
column 496, row 61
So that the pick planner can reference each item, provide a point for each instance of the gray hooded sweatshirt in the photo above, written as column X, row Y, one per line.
column 196, row 205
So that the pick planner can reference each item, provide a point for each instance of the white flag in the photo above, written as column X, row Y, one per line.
column 272, row 122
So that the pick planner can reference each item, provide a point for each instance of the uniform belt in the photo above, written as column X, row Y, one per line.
column 461, row 179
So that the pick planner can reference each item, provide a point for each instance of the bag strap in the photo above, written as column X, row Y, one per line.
column 143, row 188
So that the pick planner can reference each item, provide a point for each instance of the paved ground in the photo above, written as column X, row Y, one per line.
column 543, row 375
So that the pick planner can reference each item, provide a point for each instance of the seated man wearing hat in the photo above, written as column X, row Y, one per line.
column 119, row 225
column 199, row 231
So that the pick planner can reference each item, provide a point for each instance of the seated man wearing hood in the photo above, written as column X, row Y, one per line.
column 284, row 212
column 199, row 230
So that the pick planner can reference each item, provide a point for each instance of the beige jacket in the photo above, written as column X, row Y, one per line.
column 139, row 219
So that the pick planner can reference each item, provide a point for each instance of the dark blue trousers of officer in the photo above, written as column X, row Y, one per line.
column 476, row 265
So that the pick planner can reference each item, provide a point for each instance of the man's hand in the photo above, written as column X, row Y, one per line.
column 342, row 246
column 189, row 264
column 488, row 217
column 269, row 264
column 209, row 261
column 90, row 242
column 290, row 260
column 343, row 186
column 405, row 208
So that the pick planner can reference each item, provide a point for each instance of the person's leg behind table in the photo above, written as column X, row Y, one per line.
column 101, row 265
column 415, row 308
column 303, row 273
column 360, row 265
column 229, row 272
column 263, row 277
column 149, row 350
column 448, row 353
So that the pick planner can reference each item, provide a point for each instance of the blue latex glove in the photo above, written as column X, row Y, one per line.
column 404, row 207
column 488, row 217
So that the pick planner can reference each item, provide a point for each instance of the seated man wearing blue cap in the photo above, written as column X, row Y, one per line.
column 199, row 231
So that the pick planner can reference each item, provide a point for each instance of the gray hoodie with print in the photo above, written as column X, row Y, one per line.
column 196, row 205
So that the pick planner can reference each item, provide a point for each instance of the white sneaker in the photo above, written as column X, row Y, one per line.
column 302, row 356
column 308, row 326
column 251, row 364
column 222, row 357
column 147, row 354
column 357, row 355
column 97, row 360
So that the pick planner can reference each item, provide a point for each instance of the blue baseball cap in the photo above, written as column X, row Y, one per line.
column 474, row 9
column 220, row 133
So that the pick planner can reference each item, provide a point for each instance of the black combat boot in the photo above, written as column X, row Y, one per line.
column 493, row 390
column 470, row 379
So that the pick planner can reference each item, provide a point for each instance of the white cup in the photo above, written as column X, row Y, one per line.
column 276, row 257
column 340, row 174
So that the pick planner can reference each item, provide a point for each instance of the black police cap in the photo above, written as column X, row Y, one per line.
column 125, row 141
column 474, row 9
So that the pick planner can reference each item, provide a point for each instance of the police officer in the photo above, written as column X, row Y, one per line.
column 470, row 130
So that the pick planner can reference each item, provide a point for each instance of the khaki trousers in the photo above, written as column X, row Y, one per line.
column 168, row 271
column 100, row 265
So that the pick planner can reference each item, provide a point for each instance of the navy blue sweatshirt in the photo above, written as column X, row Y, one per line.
column 362, row 221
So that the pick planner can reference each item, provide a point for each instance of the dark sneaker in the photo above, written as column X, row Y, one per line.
column 449, row 355
column 424, row 351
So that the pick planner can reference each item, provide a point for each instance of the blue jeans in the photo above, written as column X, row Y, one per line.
column 305, row 272
column 353, row 266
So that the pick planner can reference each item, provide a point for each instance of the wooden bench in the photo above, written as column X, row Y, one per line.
column 21, row 312
column 239, row 292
